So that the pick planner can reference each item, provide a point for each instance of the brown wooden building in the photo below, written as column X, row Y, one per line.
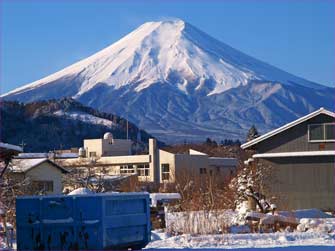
column 301, row 154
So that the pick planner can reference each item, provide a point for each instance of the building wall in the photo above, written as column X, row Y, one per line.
column 191, row 163
column 154, row 161
column 224, row 172
column 178, row 163
column 295, row 139
column 117, row 147
column 106, row 147
column 93, row 145
column 167, row 158
column 47, row 172
column 302, row 182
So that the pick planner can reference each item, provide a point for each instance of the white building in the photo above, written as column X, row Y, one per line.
column 107, row 146
column 44, row 174
column 158, row 166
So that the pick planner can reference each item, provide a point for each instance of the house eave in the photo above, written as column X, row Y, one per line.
column 294, row 154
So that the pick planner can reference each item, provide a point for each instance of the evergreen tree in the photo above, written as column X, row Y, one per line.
column 252, row 133
column 237, row 142
column 208, row 141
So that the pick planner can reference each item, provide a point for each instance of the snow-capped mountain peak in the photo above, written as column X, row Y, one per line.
column 172, row 52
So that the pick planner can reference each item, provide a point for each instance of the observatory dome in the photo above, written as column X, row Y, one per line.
column 108, row 135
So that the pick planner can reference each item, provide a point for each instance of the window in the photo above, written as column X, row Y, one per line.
column 143, row 170
column 126, row 169
column 165, row 171
column 43, row 186
column 203, row 170
column 93, row 154
column 321, row 132
column 330, row 131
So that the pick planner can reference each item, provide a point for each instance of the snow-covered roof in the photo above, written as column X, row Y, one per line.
column 32, row 155
column 294, row 154
column 46, row 155
column 66, row 155
column 287, row 126
column 195, row 152
column 155, row 197
column 10, row 147
column 24, row 165
column 81, row 190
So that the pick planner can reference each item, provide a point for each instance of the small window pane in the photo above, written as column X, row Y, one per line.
column 165, row 171
column 143, row 170
column 165, row 168
column 330, row 131
column 316, row 132
column 127, row 169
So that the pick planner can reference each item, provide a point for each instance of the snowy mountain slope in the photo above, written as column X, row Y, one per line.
column 178, row 82
column 57, row 124
column 85, row 117
column 174, row 116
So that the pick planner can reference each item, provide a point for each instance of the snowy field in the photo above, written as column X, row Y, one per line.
column 272, row 241
column 306, row 241
column 316, row 231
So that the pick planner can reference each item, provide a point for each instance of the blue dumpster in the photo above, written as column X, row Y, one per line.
column 83, row 222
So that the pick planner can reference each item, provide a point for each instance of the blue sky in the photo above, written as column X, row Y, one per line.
column 40, row 37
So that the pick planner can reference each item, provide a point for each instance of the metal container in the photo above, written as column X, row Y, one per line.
column 83, row 222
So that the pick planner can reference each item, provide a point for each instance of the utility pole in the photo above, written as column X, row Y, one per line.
column 127, row 129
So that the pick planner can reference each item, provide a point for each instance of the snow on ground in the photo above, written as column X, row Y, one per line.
column 270, row 241
column 312, row 234
column 305, row 213
column 85, row 117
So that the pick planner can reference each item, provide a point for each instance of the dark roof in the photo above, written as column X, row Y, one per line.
column 287, row 126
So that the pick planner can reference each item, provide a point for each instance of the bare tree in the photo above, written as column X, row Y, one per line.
column 89, row 173
column 206, row 191
column 11, row 186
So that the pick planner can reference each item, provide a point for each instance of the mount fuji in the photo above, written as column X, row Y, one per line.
column 178, row 83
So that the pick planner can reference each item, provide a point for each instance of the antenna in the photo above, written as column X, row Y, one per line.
column 23, row 144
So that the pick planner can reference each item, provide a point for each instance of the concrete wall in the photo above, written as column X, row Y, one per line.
column 167, row 158
column 302, row 182
column 93, row 145
column 118, row 147
column 123, row 160
column 191, row 163
column 106, row 147
column 47, row 172
column 154, row 161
